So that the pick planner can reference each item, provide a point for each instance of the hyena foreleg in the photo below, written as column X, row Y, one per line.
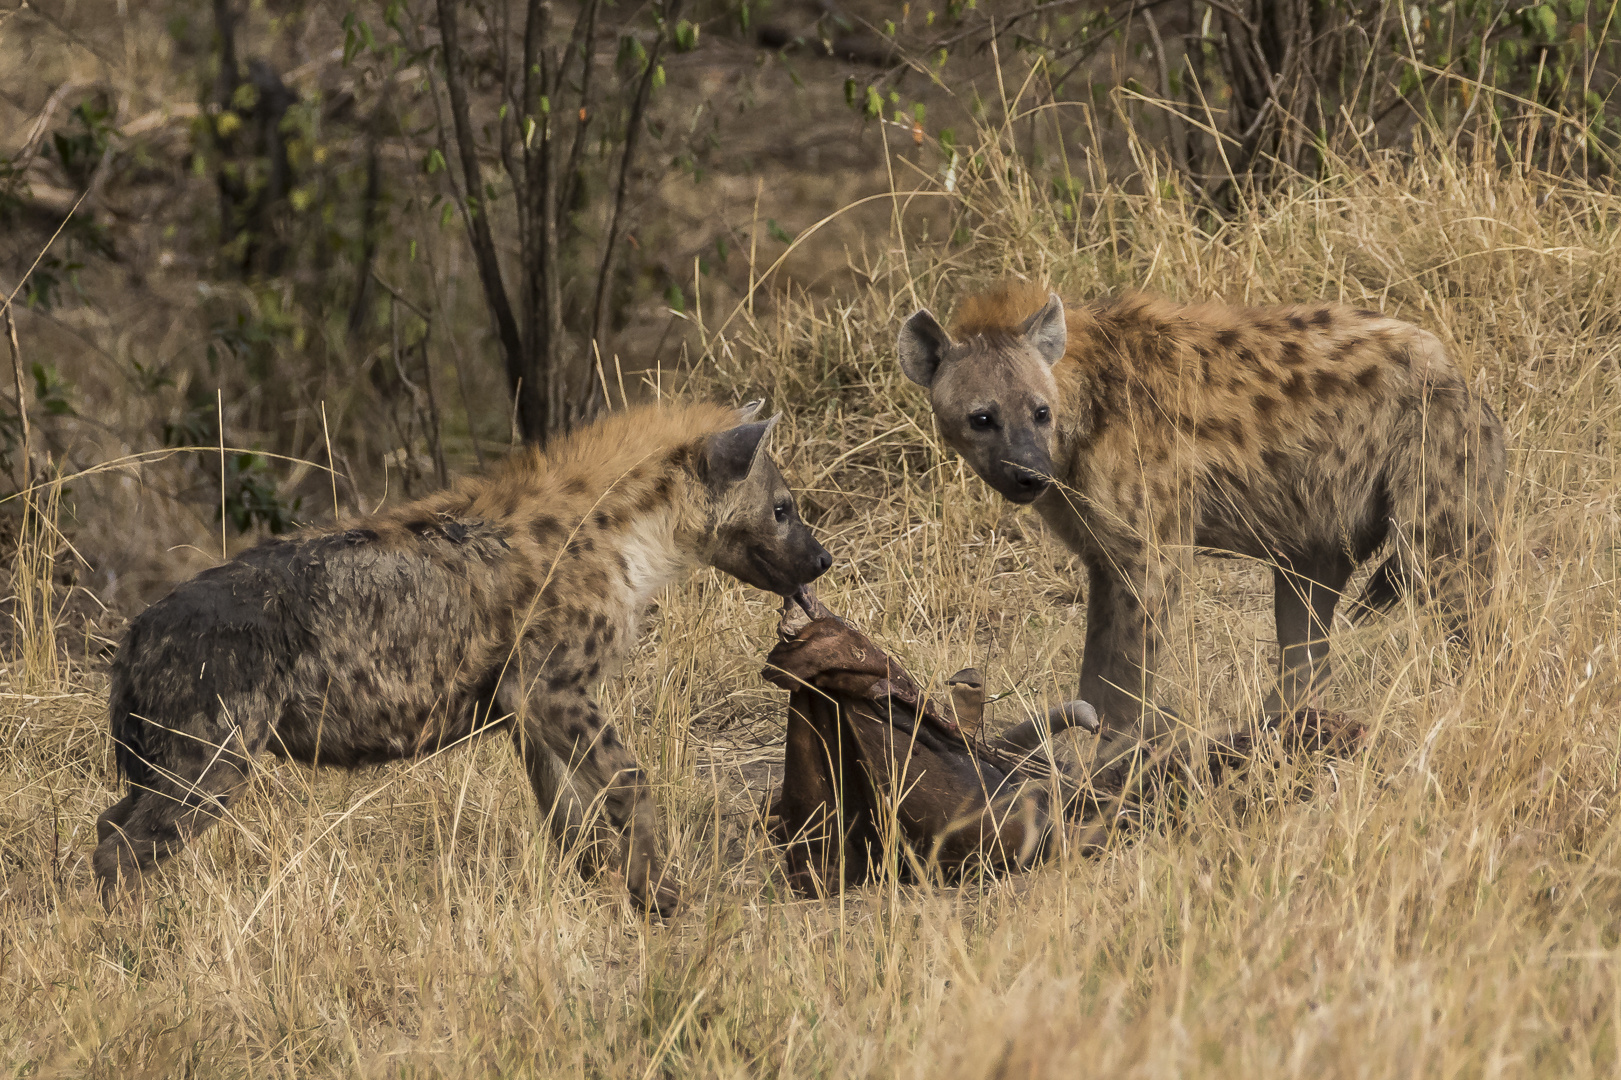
column 575, row 758
column 566, row 809
column 1304, row 592
column 1129, row 601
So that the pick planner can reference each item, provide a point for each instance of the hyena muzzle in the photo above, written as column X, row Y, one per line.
column 500, row 603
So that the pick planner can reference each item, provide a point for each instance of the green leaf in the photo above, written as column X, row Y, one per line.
column 1547, row 21
column 351, row 39
column 675, row 298
column 852, row 91
column 1410, row 81
column 777, row 232
column 873, row 107
column 445, row 214
column 686, row 36
column 435, row 162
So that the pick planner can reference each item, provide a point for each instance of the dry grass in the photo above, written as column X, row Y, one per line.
column 1446, row 905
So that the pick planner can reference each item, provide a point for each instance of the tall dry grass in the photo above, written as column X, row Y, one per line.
column 1446, row 905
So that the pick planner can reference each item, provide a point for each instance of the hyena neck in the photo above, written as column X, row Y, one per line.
column 656, row 551
column 1078, row 410
column 616, row 507
column 637, row 527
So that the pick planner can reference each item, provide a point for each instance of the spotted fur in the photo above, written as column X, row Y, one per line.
column 500, row 603
column 1142, row 429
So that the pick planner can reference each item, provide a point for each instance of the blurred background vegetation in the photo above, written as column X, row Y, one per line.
column 361, row 246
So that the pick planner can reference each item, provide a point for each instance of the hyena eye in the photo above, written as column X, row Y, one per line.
column 981, row 421
column 781, row 510
column 1043, row 414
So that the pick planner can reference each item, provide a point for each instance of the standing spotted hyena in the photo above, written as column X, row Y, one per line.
column 499, row 603
column 1141, row 429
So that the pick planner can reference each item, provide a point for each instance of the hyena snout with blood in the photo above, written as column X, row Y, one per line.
column 499, row 604
column 1305, row 437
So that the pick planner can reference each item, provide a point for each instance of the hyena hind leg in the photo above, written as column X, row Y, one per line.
column 112, row 819
column 181, row 794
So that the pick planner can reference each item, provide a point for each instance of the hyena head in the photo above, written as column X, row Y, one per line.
column 993, row 395
column 756, row 533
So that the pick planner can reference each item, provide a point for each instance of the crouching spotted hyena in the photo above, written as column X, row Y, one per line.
column 499, row 603
column 1141, row 429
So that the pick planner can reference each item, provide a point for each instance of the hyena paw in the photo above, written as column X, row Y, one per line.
column 118, row 875
column 660, row 896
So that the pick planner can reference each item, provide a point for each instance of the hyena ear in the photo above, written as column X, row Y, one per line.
column 922, row 345
column 749, row 410
column 731, row 455
column 1046, row 331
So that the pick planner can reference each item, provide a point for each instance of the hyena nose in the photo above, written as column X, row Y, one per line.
column 823, row 561
column 1028, row 479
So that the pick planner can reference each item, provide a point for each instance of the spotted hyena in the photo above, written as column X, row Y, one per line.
column 1141, row 429
column 500, row 603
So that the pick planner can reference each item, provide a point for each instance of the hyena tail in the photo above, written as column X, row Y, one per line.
column 1445, row 482
column 128, row 734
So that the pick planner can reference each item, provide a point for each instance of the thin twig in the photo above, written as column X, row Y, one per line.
column 627, row 157
column 17, row 381
column 35, row 264
column 475, row 213
column 219, row 404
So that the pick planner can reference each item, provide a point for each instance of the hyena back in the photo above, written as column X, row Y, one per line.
column 1142, row 429
column 499, row 603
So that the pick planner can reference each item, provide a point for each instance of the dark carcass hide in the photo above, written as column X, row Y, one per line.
column 875, row 770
